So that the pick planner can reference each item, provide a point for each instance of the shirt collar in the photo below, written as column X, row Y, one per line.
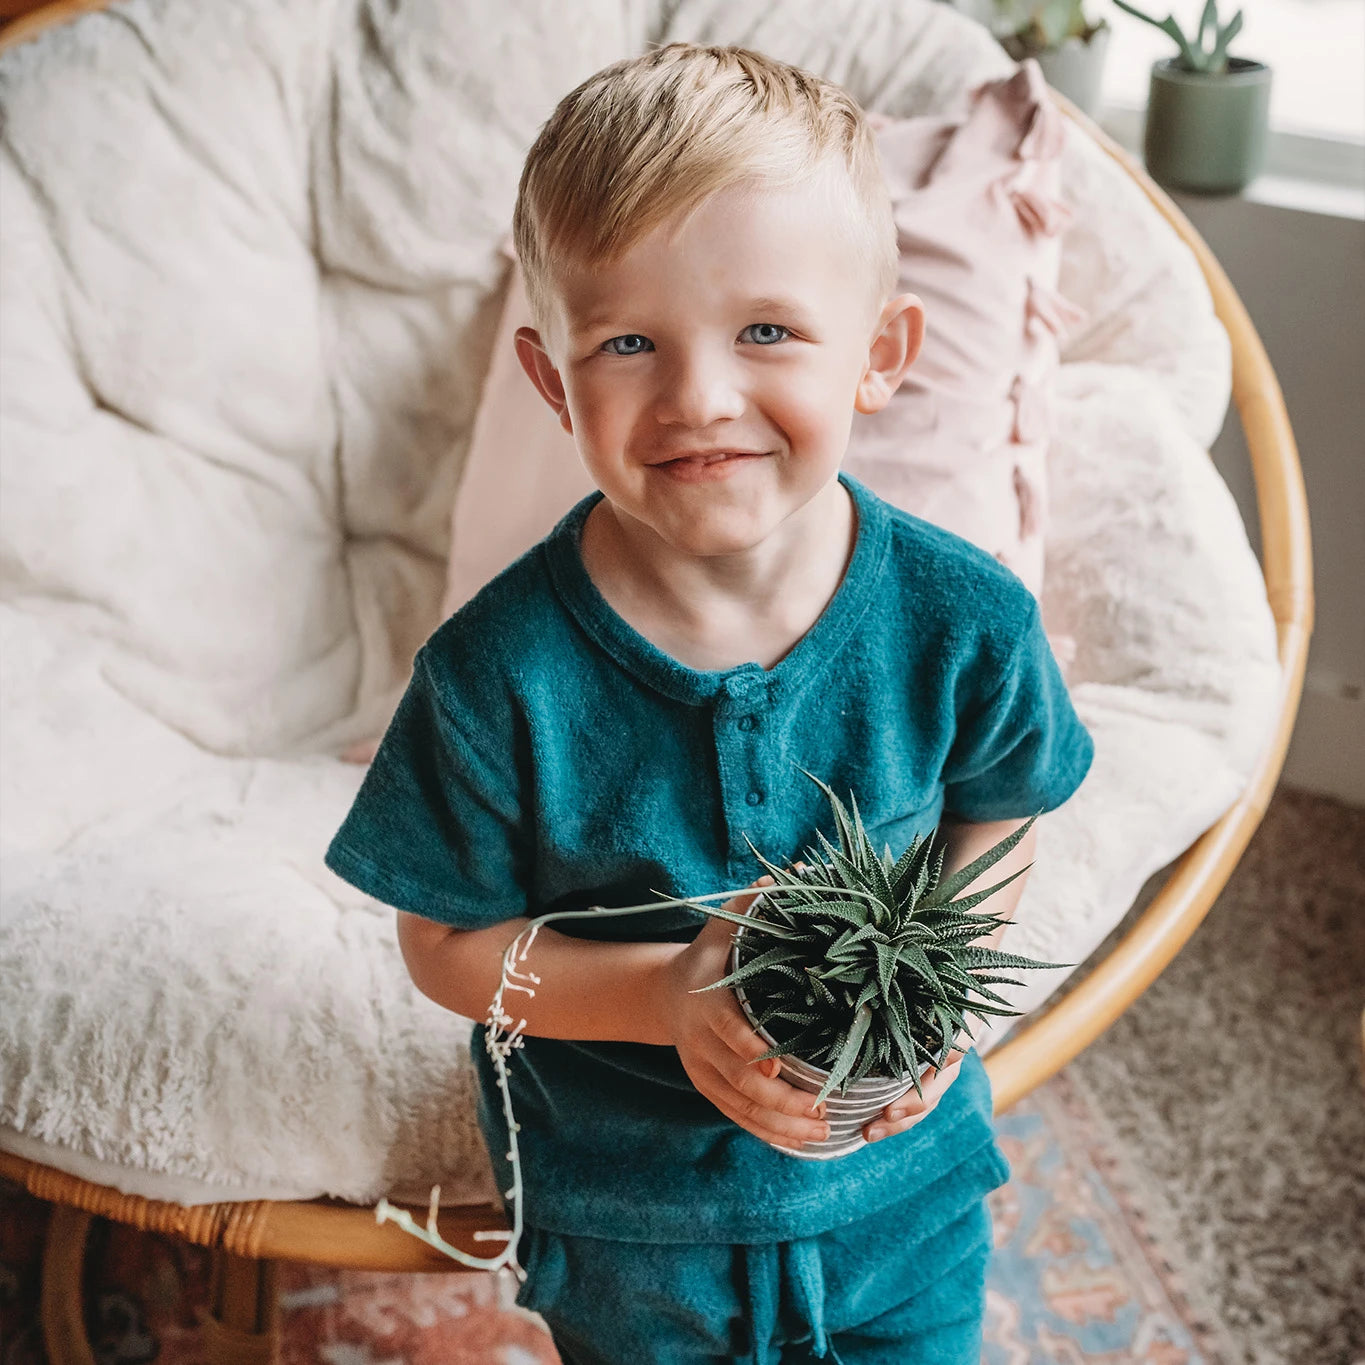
column 640, row 657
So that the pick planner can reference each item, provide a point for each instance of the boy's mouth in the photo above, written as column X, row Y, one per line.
column 711, row 456
column 707, row 466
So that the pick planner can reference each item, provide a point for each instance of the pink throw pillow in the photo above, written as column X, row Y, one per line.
column 962, row 443
column 522, row 472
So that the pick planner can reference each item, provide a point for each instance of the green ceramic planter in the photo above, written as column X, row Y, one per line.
column 1207, row 133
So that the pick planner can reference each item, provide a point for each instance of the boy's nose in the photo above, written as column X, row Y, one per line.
column 698, row 390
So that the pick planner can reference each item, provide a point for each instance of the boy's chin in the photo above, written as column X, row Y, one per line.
column 715, row 533
column 714, row 527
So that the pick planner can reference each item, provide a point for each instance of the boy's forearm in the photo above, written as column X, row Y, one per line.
column 608, row 991
column 589, row 990
column 967, row 841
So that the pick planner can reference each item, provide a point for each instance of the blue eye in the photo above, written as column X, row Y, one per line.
column 770, row 327
column 767, row 327
column 630, row 336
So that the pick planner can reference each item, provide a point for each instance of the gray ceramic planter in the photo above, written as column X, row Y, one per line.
column 845, row 1112
column 1207, row 133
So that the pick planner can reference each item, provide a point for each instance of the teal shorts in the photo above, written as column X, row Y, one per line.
column 869, row 1293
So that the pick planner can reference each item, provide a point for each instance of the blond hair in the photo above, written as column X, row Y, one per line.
column 655, row 136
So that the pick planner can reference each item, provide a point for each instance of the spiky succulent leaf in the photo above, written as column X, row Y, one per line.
column 848, row 1052
column 902, row 867
column 764, row 960
column 881, row 888
column 853, row 912
column 944, row 891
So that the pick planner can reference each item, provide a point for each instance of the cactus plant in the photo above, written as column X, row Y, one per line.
column 1196, row 54
column 865, row 964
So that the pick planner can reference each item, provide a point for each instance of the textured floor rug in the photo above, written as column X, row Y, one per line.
column 1233, row 1091
column 1076, row 1277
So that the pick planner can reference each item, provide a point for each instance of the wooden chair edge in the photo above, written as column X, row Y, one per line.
column 1058, row 1033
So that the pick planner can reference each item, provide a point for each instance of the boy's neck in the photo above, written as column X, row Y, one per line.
column 712, row 613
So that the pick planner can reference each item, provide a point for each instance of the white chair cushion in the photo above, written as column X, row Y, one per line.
column 249, row 273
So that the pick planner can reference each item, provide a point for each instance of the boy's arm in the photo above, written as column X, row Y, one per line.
column 966, row 840
column 623, row 992
column 590, row 990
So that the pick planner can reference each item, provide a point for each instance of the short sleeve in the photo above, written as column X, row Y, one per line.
column 436, row 827
column 1022, row 748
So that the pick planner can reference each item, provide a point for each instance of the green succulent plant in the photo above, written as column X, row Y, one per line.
column 865, row 964
column 1196, row 53
column 1027, row 27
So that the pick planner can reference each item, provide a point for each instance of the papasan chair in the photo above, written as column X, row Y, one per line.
column 251, row 284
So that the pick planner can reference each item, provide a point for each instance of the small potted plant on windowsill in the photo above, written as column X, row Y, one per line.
column 1207, row 112
column 1067, row 46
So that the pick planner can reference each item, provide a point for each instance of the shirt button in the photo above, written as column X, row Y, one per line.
column 755, row 798
column 748, row 723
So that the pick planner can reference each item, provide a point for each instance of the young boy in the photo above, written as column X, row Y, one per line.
column 711, row 261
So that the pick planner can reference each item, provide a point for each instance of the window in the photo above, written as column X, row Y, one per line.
column 1316, row 49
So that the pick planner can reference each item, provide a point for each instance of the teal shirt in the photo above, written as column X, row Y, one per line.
column 546, row 756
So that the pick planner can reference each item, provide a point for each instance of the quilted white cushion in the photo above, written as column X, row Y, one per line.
column 250, row 277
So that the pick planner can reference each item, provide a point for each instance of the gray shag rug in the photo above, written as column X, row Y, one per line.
column 1233, row 1092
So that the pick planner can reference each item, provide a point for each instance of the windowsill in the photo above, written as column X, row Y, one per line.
column 1305, row 172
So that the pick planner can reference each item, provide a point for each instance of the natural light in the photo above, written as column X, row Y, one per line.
column 1316, row 49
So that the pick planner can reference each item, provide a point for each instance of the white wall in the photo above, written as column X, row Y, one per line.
column 1301, row 276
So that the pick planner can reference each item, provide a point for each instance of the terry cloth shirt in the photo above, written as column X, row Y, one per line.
column 547, row 756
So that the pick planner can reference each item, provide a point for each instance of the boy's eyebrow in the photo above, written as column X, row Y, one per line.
column 774, row 301
column 762, row 304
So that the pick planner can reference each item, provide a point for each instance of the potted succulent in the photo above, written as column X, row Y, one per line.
column 1068, row 48
column 859, row 970
column 1207, row 112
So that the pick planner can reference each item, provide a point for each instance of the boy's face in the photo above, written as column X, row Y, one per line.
column 751, row 329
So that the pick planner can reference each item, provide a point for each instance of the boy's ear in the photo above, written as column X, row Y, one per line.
column 900, row 332
column 535, row 360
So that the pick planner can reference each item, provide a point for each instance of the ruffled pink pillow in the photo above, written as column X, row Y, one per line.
column 962, row 442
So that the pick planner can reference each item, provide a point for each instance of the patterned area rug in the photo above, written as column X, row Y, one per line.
column 1077, row 1275
column 1076, row 1278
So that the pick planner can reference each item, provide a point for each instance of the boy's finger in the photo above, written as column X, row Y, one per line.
column 908, row 1110
column 735, row 1031
column 749, row 896
column 875, row 1132
column 745, row 1046
column 736, row 905
column 741, row 903
column 734, row 1114
column 767, row 1092
column 757, row 1116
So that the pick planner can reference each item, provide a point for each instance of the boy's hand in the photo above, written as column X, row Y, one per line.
column 717, row 1045
column 909, row 1110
